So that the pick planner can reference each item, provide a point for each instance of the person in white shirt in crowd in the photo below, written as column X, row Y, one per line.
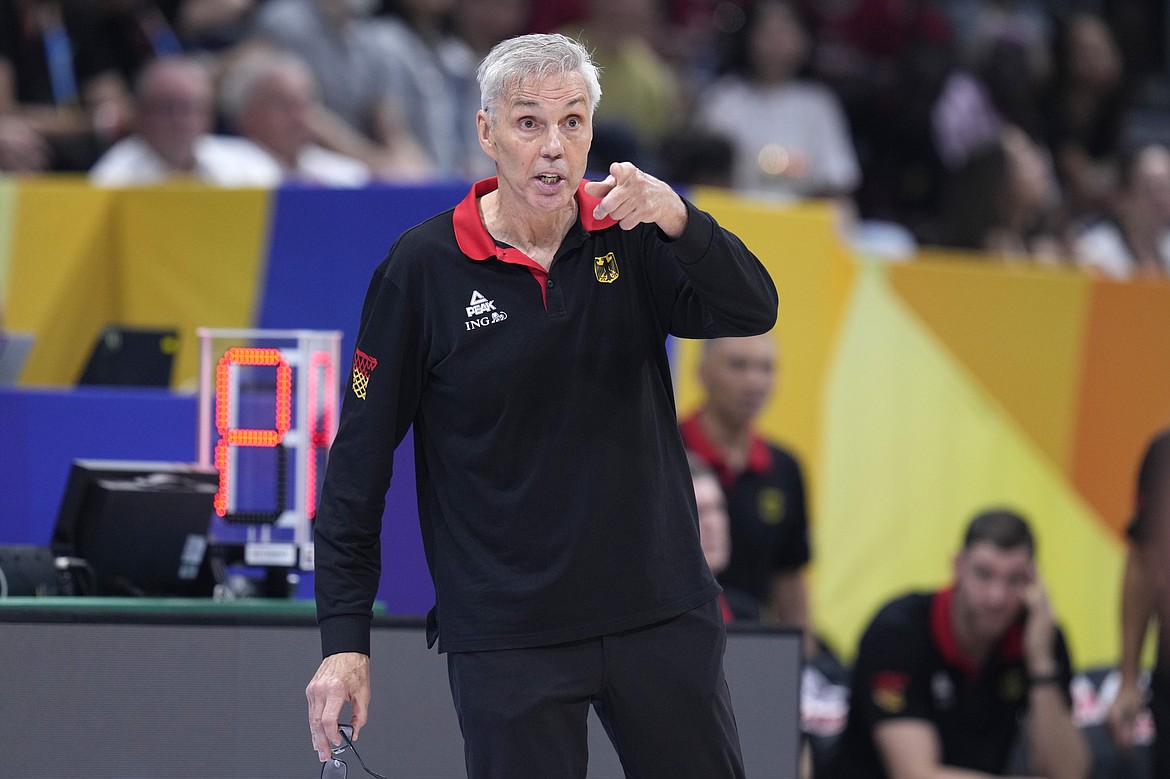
column 175, row 114
column 344, row 48
column 430, row 77
column 1135, row 240
column 269, row 97
column 790, row 134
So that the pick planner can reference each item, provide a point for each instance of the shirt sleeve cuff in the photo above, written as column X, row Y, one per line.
column 345, row 634
column 692, row 245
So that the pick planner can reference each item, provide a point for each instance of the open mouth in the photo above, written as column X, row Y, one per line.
column 548, row 178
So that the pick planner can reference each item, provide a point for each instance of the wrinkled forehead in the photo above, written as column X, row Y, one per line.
column 566, row 89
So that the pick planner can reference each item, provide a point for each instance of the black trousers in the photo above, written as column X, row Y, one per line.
column 659, row 691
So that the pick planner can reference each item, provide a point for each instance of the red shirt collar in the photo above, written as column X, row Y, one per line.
column 1011, row 646
column 695, row 438
column 477, row 243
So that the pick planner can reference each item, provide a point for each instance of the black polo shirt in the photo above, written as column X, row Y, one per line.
column 553, row 492
column 909, row 666
column 767, row 510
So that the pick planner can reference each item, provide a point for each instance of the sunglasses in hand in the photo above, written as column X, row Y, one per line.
column 335, row 767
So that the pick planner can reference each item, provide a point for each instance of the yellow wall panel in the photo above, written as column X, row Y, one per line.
column 812, row 269
column 7, row 216
column 1019, row 330
column 63, row 282
column 914, row 447
column 193, row 257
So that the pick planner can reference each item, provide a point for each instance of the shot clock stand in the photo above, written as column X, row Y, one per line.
column 268, row 402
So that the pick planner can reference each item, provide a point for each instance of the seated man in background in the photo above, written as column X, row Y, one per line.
column 270, row 98
column 945, row 682
column 175, row 113
column 762, row 481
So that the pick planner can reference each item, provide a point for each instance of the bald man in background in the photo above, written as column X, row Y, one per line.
column 762, row 480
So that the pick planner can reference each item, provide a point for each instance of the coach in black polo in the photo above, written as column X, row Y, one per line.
column 945, row 683
column 523, row 336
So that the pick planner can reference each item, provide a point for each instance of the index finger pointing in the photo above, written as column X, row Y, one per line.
column 599, row 189
column 622, row 171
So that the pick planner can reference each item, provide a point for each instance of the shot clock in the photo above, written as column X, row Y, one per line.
column 268, row 402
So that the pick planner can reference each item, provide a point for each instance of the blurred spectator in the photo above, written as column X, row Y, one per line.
column 432, row 83
column 886, row 61
column 715, row 537
column 552, row 15
column 790, row 135
column 175, row 112
column 946, row 683
column 64, row 94
column 1143, row 596
column 695, row 30
column 1004, row 201
column 269, row 98
column 213, row 25
column 1135, row 241
column 127, row 34
column 1086, row 113
column 997, row 88
column 345, row 51
column 481, row 24
column 1140, row 28
column 762, row 481
column 866, row 38
column 983, row 25
column 642, row 97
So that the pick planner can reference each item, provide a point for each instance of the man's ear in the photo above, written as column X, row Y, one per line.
column 483, row 127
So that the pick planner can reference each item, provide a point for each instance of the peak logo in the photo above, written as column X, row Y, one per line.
column 479, row 304
column 482, row 312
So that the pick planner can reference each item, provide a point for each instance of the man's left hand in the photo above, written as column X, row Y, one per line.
column 633, row 197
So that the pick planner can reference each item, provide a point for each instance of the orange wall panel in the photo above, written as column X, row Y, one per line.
column 1124, row 392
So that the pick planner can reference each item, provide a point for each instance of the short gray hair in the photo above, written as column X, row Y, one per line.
column 536, row 56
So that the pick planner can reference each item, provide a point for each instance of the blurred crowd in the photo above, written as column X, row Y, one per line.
column 1034, row 130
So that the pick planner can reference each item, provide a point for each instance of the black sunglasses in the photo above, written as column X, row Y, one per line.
column 335, row 767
